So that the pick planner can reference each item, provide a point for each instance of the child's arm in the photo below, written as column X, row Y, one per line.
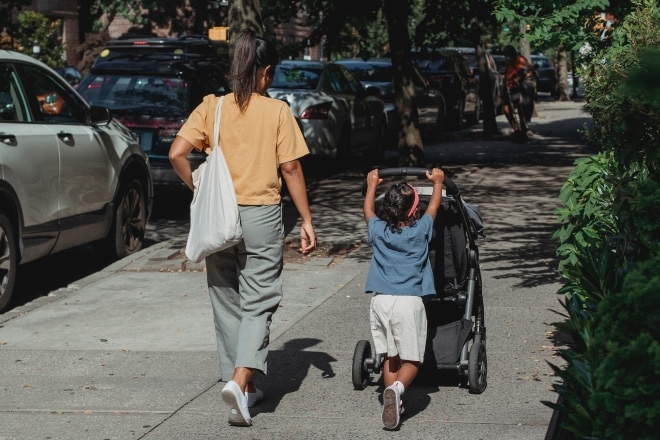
column 437, row 177
column 370, row 197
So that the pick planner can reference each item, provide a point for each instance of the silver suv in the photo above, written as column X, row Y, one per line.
column 70, row 174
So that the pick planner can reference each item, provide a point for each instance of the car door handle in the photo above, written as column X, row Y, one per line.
column 67, row 138
column 8, row 139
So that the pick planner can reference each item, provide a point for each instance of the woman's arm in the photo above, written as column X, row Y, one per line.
column 295, row 181
column 178, row 155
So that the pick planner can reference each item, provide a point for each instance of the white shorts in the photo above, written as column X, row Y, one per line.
column 398, row 326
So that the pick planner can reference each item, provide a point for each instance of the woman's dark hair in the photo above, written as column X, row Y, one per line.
column 510, row 51
column 251, row 54
column 396, row 204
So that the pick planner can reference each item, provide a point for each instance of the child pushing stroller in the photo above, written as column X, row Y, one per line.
column 400, row 276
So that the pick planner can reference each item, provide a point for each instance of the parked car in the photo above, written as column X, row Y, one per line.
column 182, row 45
column 458, row 84
column 71, row 174
column 337, row 115
column 579, row 87
column 152, row 92
column 500, row 62
column 546, row 74
column 72, row 75
column 495, row 76
column 377, row 72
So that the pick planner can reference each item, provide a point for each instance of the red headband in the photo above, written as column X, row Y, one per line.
column 414, row 205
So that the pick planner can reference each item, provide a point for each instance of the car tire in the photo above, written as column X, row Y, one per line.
column 128, row 228
column 8, row 261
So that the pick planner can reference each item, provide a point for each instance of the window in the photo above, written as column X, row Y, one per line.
column 55, row 103
column 13, row 105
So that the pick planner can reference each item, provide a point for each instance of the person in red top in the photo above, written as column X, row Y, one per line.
column 517, row 81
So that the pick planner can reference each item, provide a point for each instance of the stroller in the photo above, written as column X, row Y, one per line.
column 456, row 333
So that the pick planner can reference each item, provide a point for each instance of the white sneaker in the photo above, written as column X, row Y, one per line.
column 238, row 409
column 391, row 407
column 254, row 398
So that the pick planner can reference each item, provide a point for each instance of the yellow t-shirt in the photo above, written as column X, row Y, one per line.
column 254, row 143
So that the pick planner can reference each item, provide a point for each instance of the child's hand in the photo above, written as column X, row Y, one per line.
column 372, row 179
column 437, row 176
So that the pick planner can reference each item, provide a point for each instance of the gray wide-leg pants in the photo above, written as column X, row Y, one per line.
column 245, row 286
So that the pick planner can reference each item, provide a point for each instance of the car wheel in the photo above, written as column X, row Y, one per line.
column 8, row 261
column 128, row 228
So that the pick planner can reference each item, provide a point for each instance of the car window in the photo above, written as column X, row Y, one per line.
column 418, row 79
column 155, row 96
column 56, row 106
column 13, row 105
column 433, row 64
column 351, row 82
column 373, row 73
column 543, row 63
column 295, row 77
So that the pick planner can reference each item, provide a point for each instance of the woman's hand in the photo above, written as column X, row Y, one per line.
column 307, row 238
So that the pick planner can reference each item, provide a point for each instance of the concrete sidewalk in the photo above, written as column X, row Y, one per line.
column 129, row 352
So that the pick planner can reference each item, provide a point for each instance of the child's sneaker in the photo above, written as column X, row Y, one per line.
column 391, row 407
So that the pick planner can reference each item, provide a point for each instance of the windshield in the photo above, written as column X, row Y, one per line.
column 431, row 63
column 372, row 73
column 138, row 95
column 296, row 77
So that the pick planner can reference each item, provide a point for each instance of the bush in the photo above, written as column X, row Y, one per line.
column 626, row 393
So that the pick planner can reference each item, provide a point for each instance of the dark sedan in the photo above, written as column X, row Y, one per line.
column 378, row 73
column 459, row 86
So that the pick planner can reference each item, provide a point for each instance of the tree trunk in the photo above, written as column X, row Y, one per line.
column 485, row 81
column 563, row 94
column 244, row 15
column 525, row 49
column 411, row 149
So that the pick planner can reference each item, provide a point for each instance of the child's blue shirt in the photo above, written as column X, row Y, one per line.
column 400, row 262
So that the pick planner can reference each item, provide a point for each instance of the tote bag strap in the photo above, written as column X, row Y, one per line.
column 216, row 123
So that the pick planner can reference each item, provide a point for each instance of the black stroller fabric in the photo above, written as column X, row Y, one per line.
column 451, row 244
column 444, row 343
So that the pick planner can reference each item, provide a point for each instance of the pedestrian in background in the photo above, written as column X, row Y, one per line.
column 262, row 143
column 400, row 276
column 518, row 82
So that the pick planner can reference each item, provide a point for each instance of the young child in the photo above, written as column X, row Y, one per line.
column 400, row 274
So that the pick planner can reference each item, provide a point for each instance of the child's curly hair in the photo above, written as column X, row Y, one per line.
column 396, row 204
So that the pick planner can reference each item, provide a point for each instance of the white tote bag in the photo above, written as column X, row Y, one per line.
column 215, row 223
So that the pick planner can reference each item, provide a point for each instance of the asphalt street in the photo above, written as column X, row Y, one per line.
column 128, row 352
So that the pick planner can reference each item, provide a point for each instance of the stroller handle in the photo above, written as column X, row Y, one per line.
column 450, row 187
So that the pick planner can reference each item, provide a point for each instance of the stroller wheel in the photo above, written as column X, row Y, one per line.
column 360, row 370
column 477, row 368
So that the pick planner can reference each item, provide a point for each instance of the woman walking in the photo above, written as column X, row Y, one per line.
column 262, row 143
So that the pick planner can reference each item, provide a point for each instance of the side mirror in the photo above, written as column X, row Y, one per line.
column 99, row 115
